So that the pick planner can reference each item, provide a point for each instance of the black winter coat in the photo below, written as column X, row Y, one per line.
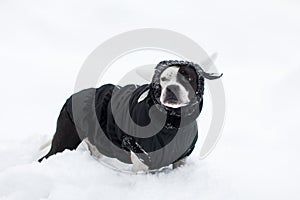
column 108, row 116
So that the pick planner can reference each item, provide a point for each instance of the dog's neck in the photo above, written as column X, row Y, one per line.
column 182, row 115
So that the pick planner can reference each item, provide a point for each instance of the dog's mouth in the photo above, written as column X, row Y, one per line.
column 173, row 102
column 172, row 98
column 174, row 105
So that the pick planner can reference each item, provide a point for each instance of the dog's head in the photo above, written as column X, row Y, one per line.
column 179, row 83
column 178, row 86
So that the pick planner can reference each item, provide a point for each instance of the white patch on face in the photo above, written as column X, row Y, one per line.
column 169, row 78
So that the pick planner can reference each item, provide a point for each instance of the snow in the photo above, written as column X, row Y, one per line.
column 43, row 45
column 74, row 175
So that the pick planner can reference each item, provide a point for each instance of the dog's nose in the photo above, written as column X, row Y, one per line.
column 172, row 91
column 173, row 88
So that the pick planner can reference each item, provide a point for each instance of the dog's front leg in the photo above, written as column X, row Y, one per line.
column 137, row 165
column 93, row 149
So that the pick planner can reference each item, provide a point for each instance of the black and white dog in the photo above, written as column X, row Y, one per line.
column 149, row 126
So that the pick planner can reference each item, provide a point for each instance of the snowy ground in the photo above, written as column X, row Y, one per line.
column 42, row 47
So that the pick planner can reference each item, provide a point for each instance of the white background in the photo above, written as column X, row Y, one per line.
column 44, row 43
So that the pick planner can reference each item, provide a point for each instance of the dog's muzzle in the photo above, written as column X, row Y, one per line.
column 172, row 96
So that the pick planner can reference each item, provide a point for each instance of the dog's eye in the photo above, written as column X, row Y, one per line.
column 188, row 78
column 163, row 79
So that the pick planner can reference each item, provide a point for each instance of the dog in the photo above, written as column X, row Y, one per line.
column 150, row 126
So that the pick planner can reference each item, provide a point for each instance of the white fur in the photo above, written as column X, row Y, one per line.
column 137, row 164
column 171, row 75
column 93, row 149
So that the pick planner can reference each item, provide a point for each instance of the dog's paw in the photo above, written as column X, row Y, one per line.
column 137, row 165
